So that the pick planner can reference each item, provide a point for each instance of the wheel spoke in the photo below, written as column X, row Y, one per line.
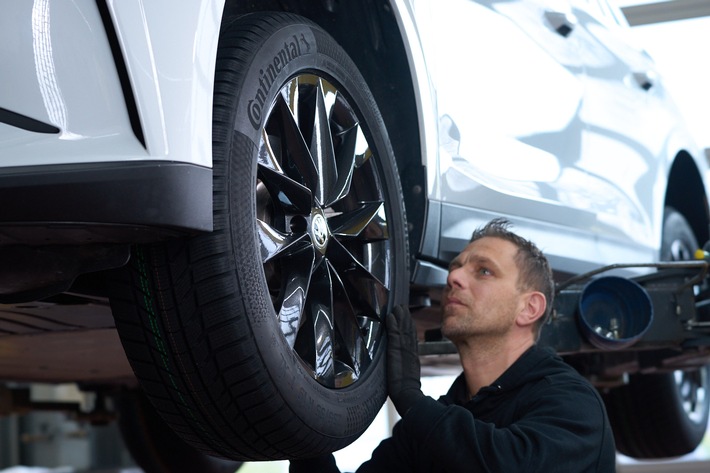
column 294, row 142
column 320, row 302
column 351, row 147
column 291, row 196
column 345, row 160
column 269, row 151
column 322, row 148
column 296, row 290
column 371, row 329
column 368, row 222
column 360, row 282
column 291, row 96
column 352, row 350
column 274, row 243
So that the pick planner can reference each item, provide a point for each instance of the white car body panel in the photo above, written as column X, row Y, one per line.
column 172, row 75
column 539, row 141
column 70, row 83
column 408, row 15
column 69, row 79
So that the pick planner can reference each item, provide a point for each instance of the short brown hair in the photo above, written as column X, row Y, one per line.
column 535, row 271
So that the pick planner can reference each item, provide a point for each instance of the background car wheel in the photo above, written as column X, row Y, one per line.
column 264, row 339
column 665, row 414
column 154, row 446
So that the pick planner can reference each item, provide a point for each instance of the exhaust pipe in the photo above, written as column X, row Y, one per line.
column 614, row 312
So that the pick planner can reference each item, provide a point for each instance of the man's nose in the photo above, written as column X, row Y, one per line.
column 454, row 278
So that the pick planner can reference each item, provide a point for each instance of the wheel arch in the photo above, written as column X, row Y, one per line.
column 371, row 34
column 686, row 193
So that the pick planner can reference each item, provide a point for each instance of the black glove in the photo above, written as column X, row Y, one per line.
column 403, row 371
column 324, row 464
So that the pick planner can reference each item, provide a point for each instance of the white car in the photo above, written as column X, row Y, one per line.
column 242, row 190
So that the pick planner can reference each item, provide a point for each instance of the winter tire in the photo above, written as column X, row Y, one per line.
column 264, row 339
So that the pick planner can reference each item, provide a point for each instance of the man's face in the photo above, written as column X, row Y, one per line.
column 481, row 297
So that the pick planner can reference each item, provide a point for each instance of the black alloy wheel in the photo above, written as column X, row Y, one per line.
column 324, row 242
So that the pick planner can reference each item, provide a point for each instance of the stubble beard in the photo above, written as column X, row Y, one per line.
column 459, row 324
column 465, row 325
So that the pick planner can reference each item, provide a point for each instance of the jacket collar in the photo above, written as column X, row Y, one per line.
column 520, row 372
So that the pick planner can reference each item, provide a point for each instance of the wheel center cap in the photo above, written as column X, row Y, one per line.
column 319, row 231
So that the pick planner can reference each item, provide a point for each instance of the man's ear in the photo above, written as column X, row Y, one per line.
column 533, row 308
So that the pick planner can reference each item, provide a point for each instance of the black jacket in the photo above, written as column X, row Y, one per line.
column 539, row 416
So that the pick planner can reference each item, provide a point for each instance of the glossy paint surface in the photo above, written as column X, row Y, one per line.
column 58, row 68
column 548, row 114
column 543, row 111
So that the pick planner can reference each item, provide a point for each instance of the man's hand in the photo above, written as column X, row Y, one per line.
column 403, row 371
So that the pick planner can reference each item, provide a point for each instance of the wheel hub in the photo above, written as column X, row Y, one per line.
column 319, row 231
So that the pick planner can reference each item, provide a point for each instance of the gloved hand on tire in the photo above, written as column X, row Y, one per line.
column 403, row 369
column 403, row 383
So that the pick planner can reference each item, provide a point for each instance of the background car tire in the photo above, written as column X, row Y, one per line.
column 263, row 339
column 665, row 414
column 154, row 446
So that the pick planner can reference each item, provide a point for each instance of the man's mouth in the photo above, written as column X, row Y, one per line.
column 452, row 300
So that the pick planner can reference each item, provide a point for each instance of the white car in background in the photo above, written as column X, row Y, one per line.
column 240, row 191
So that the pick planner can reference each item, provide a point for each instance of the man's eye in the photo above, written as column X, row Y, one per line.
column 485, row 271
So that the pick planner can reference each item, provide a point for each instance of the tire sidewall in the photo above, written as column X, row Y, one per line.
column 289, row 50
column 675, row 228
column 691, row 430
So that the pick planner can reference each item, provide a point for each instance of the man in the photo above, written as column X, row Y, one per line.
column 516, row 407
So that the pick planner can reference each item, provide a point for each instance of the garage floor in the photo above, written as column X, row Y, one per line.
column 52, row 439
column 282, row 467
